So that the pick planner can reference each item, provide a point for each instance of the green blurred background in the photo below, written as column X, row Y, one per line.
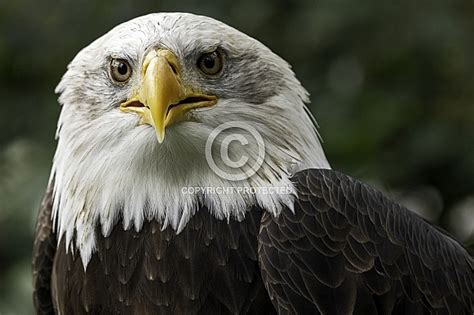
column 392, row 87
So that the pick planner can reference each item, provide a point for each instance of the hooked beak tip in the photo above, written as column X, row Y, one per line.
column 160, row 136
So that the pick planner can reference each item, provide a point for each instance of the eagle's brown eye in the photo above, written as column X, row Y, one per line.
column 210, row 63
column 120, row 70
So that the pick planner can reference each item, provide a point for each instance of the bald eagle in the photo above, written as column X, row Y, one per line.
column 189, row 178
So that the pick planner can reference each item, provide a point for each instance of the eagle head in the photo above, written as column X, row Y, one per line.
column 162, row 109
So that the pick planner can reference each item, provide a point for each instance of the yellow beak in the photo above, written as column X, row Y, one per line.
column 161, row 99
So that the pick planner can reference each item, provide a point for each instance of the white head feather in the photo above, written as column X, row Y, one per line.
column 108, row 167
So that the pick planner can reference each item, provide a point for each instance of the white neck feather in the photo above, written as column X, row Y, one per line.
column 103, row 172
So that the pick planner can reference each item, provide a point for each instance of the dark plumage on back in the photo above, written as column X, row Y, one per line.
column 347, row 248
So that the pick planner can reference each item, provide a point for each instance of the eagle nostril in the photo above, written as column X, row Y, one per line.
column 173, row 68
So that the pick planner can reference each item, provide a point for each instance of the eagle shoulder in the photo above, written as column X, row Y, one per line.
column 348, row 248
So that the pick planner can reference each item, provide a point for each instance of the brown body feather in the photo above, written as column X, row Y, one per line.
column 345, row 249
column 209, row 268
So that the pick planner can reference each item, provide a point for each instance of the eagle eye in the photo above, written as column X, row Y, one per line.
column 210, row 63
column 120, row 70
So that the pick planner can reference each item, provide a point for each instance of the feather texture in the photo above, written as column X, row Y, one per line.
column 352, row 250
column 44, row 250
column 209, row 268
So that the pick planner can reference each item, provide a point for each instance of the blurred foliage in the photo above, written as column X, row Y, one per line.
column 392, row 87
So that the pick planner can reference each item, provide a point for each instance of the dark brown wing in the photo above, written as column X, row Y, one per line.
column 349, row 249
column 44, row 250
